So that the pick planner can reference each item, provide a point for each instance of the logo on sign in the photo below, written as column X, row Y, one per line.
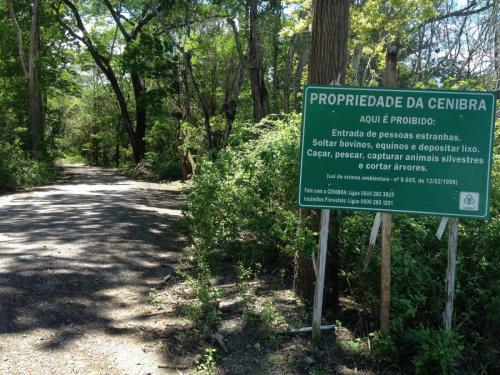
column 469, row 201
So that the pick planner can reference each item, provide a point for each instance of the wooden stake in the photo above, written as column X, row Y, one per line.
column 373, row 239
column 385, row 274
column 442, row 227
column 450, row 273
column 309, row 329
column 320, row 275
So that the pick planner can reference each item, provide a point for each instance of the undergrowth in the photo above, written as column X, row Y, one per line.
column 20, row 170
column 242, row 212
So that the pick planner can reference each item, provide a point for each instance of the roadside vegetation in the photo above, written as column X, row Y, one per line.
column 243, row 220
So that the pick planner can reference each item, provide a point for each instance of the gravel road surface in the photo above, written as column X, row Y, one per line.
column 78, row 260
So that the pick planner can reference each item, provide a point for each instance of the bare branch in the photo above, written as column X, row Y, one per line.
column 237, row 38
column 19, row 36
column 465, row 12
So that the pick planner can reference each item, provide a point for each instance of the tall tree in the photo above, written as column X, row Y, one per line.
column 296, row 26
column 327, row 65
column 31, row 70
column 276, row 9
column 130, row 24
column 260, row 96
column 496, row 43
column 329, row 41
column 204, row 62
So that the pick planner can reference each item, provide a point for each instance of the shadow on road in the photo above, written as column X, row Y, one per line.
column 78, row 255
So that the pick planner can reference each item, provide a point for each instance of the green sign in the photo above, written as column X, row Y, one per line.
column 413, row 151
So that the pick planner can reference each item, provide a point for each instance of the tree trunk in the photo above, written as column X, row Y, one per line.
column 287, row 76
column 19, row 36
column 391, row 67
column 255, row 66
column 122, row 102
column 118, row 141
column 356, row 60
column 233, row 87
column 140, row 116
column 136, row 136
column 304, row 57
column 197, row 91
column 496, row 25
column 277, row 11
column 231, row 96
column 35, row 97
column 327, row 64
column 95, row 119
column 329, row 41
column 32, row 74
column 303, row 273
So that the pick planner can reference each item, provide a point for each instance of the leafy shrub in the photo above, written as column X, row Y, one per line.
column 243, row 208
column 243, row 205
column 204, row 312
column 428, row 351
column 437, row 352
column 162, row 156
column 17, row 169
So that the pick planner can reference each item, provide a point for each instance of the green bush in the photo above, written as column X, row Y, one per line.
column 18, row 170
column 243, row 208
column 162, row 151
column 437, row 352
column 428, row 351
column 203, row 313
column 243, row 205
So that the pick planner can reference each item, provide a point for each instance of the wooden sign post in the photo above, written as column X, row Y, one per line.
column 385, row 274
column 395, row 150
column 320, row 274
column 450, row 273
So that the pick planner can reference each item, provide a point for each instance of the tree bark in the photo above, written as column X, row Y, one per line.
column 496, row 25
column 287, row 75
column 233, row 87
column 197, row 91
column 31, row 73
column 303, row 59
column 140, row 116
column 391, row 66
column 35, row 97
column 19, row 36
column 356, row 60
column 277, row 10
column 255, row 65
column 186, row 159
column 329, row 41
column 327, row 64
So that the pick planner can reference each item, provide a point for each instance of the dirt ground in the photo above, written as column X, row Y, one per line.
column 78, row 261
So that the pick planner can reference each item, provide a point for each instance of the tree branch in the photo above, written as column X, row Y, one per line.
column 143, row 22
column 187, row 60
column 116, row 17
column 465, row 12
column 19, row 36
column 237, row 39
column 101, row 60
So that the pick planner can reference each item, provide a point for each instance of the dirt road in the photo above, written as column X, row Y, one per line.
column 77, row 262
